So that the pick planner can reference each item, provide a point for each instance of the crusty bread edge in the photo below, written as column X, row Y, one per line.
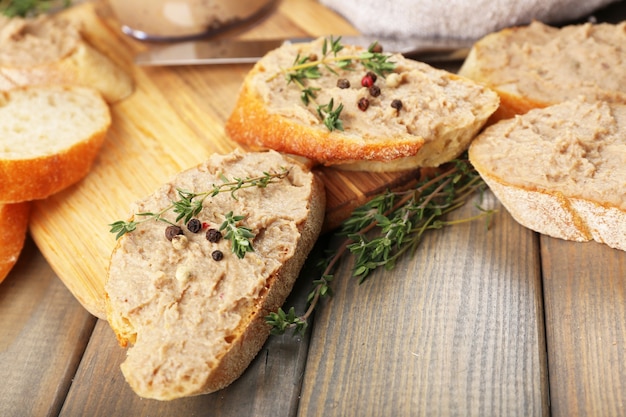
column 39, row 177
column 551, row 213
column 273, row 131
column 511, row 104
column 252, row 335
column 13, row 230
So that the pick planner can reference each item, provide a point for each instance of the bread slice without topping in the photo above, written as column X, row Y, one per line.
column 195, row 322
column 13, row 230
column 415, row 116
column 49, row 138
column 539, row 65
column 50, row 50
column 560, row 170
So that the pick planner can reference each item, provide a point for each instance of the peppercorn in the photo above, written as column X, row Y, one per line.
column 194, row 225
column 376, row 48
column 363, row 104
column 374, row 90
column 396, row 104
column 343, row 83
column 367, row 81
column 171, row 231
column 217, row 255
column 213, row 235
column 313, row 57
column 372, row 75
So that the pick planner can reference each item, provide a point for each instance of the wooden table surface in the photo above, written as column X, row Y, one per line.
column 496, row 321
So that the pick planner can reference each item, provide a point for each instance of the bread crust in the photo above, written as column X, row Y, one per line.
column 569, row 211
column 257, row 124
column 245, row 341
column 33, row 178
column 13, row 231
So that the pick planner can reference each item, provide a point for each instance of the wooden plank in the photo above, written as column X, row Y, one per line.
column 44, row 333
column 269, row 387
column 585, row 304
column 455, row 330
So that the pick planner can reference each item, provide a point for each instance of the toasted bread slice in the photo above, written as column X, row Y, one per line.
column 49, row 138
column 13, row 231
column 414, row 116
column 50, row 50
column 195, row 317
column 538, row 65
column 560, row 170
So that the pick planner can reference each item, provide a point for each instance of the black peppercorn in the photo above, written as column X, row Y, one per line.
column 363, row 104
column 172, row 231
column 396, row 104
column 217, row 255
column 343, row 83
column 374, row 91
column 372, row 75
column 376, row 48
column 194, row 225
column 213, row 235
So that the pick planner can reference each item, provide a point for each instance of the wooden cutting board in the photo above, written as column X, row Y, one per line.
column 173, row 121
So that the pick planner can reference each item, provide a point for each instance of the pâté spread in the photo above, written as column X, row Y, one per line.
column 176, row 294
column 412, row 100
column 576, row 148
column 33, row 41
column 552, row 64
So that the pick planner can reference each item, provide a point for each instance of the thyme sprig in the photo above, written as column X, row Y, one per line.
column 392, row 224
column 189, row 204
column 240, row 236
column 305, row 68
column 30, row 8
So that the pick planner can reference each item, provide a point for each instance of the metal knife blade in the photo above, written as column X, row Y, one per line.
column 233, row 51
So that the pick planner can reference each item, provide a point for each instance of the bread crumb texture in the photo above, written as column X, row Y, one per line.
column 561, row 170
column 185, row 312
column 438, row 116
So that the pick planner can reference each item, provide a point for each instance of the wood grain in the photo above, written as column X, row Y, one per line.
column 174, row 120
column 455, row 330
column 585, row 304
column 44, row 334
column 269, row 387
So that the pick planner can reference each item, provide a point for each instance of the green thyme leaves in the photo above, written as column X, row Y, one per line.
column 306, row 69
column 30, row 8
column 190, row 204
column 240, row 236
column 391, row 225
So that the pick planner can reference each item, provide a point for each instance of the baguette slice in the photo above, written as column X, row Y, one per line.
column 560, row 170
column 440, row 112
column 50, row 50
column 13, row 230
column 49, row 138
column 538, row 65
column 196, row 323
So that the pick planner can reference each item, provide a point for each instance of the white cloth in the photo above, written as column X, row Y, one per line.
column 455, row 18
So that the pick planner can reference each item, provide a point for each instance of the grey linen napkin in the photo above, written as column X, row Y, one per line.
column 468, row 19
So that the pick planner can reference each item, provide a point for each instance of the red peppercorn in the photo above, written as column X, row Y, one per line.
column 367, row 81
column 363, row 104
